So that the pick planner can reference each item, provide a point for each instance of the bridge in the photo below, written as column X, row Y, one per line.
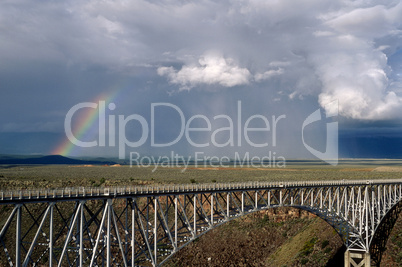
column 146, row 225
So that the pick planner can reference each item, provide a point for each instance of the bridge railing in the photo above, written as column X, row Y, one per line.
column 79, row 192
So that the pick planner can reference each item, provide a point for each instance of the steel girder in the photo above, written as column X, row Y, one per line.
column 145, row 225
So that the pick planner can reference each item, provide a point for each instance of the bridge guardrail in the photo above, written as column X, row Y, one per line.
column 79, row 192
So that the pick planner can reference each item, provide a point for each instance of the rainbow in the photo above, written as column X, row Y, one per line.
column 84, row 124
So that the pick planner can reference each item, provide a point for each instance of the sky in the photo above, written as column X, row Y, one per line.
column 213, row 77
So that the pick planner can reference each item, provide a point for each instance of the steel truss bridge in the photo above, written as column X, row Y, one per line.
column 146, row 225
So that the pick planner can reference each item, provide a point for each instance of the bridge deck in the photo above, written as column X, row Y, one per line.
column 69, row 194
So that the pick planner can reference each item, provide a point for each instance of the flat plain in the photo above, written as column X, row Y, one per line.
column 58, row 176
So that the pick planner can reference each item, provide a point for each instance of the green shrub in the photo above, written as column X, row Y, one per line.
column 303, row 261
column 324, row 243
column 263, row 221
column 308, row 247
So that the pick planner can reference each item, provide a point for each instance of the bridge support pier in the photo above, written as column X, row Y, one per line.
column 357, row 259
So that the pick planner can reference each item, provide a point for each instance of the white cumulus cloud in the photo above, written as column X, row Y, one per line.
column 211, row 69
column 353, row 67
